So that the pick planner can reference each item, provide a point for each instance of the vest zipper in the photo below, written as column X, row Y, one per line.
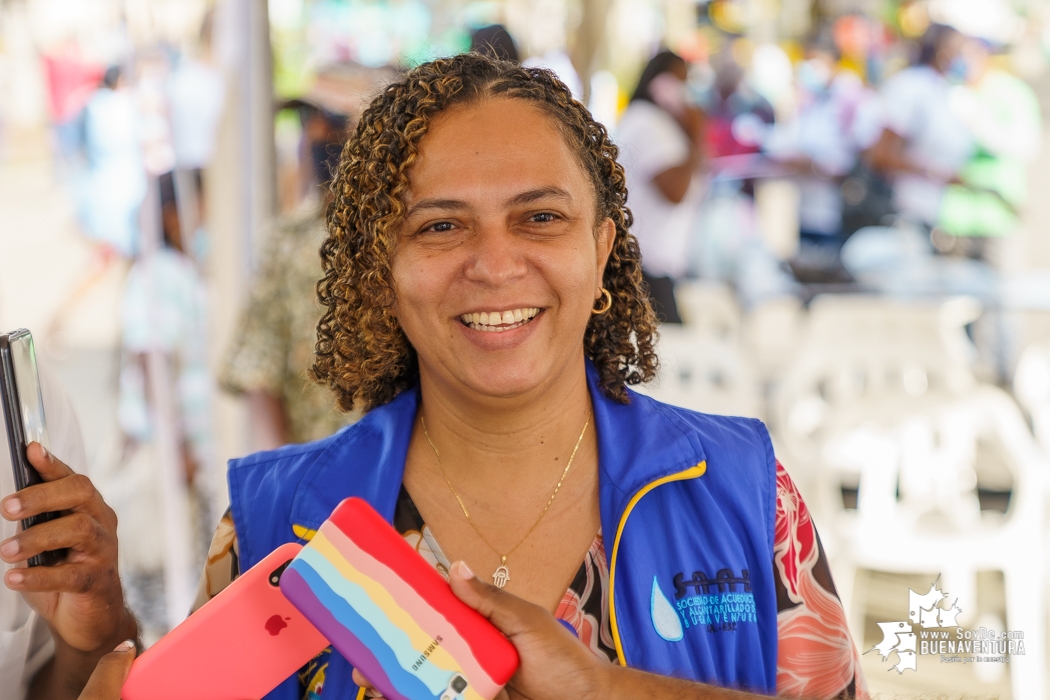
column 690, row 473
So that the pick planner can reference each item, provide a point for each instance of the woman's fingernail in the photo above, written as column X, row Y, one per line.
column 47, row 455
column 464, row 571
column 126, row 645
column 12, row 506
column 15, row 578
column 9, row 548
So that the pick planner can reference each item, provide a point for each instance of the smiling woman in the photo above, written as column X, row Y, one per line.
column 485, row 307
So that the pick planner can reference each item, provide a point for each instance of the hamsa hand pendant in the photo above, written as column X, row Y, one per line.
column 501, row 576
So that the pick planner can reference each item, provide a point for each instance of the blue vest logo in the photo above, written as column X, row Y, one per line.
column 665, row 619
column 719, row 604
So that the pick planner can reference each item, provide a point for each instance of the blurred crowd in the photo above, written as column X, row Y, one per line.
column 925, row 160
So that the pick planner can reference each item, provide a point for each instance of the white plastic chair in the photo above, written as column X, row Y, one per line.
column 771, row 334
column 883, row 397
column 917, row 511
column 700, row 372
column 858, row 350
column 1031, row 386
column 709, row 307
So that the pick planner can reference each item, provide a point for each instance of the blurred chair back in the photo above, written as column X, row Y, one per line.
column 859, row 350
column 1031, row 386
column 709, row 308
column 882, row 398
column 700, row 372
column 772, row 334
column 702, row 365
column 919, row 464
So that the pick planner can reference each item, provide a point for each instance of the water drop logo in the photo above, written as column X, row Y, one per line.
column 665, row 619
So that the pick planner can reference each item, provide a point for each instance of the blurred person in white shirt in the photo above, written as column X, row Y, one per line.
column 115, row 182
column 1003, row 114
column 660, row 136
column 924, row 143
column 57, row 622
column 820, row 142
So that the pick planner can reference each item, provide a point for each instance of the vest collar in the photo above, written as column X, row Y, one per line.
column 639, row 443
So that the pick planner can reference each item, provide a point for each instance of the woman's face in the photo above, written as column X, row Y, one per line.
column 499, row 260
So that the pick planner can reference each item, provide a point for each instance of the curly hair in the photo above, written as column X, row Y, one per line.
column 363, row 355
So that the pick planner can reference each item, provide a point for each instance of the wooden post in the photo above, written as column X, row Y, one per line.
column 588, row 41
column 175, row 504
column 240, row 196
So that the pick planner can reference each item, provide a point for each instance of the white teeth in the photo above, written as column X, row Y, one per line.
column 497, row 321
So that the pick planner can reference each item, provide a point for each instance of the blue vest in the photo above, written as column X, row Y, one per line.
column 687, row 504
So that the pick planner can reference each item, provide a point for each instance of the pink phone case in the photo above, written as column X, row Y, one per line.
column 240, row 645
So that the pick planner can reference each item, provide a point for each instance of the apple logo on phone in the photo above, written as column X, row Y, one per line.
column 275, row 624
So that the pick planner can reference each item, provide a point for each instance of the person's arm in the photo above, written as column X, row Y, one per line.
column 816, row 657
column 554, row 664
column 674, row 182
column 223, row 565
column 268, row 418
column 257, row 360
column 629, row 683
column 81, row 599
column 888, row 156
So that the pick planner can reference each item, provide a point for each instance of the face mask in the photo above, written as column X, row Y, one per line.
column 958, row 71
column 815, row 76
column 668, row 92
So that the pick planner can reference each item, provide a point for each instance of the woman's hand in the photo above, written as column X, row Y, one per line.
column 554, row 664
column 110, row 673
column 81, row 598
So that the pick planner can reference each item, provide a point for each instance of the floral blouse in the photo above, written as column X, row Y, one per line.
column 816, row 657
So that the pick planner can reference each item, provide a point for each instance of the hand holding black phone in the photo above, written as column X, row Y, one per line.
column 23, row 408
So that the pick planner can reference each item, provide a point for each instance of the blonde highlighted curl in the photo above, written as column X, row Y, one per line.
column 362, row 353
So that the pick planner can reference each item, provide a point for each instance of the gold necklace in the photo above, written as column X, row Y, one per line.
column 501, row 576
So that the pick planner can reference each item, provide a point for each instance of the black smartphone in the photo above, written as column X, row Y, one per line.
column 24, row 416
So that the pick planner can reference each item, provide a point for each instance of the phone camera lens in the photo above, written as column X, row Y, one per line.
column 459, row 684
column 275, row 577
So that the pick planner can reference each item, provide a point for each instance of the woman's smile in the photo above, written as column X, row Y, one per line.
column 498, row 330
column 499, row 321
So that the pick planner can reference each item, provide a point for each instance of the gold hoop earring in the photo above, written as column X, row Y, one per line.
column 606, row 306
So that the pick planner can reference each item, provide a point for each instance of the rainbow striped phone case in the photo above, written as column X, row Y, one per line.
column 391, row 615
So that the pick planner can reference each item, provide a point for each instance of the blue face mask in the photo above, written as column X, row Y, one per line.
column 958, row 71
column 814, row 76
